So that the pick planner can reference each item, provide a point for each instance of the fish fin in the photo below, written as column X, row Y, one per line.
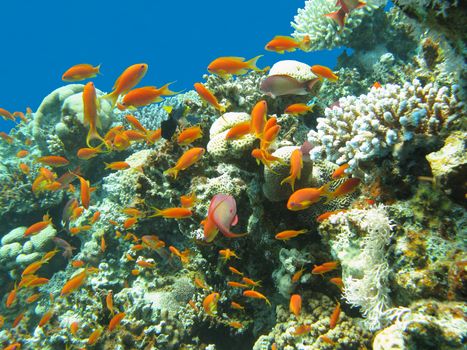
column 252, row 63
column 172, row 172
column 291, row 180
column 305, row 43
column 168, row 109
column 235, row 221
column 164, row 90
column 121, row 107
column 99, row 69
column 112, row 97
column 311, row 84
column 229, row 234
column 93, row 135
column 326, row 193
column 158, row 212
column 337, row 16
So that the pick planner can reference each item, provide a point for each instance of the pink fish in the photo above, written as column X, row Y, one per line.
column 346, row 6
column 222, row 214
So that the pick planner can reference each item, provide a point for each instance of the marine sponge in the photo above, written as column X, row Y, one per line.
column 367, row 127
column 324, row 32
column 360, row 239
column 219, row 147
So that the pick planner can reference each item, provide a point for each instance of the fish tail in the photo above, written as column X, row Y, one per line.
column 172, row 172
column 337, row 16
column 267, row 301
column 166, row 91
column 93, row 135
column 252, row 63
column 291, row 180
column 305, row 43
column 158, row 212
column 98, row 69
column 326, row 193
column 112, row 97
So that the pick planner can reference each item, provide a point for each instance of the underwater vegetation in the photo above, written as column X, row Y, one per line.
column 286, row 207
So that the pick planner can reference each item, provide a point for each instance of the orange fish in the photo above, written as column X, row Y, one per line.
column 132, row 212
column 14, row 346
column 137, row 247
column 227, row 254
column 302, row 329
column 11, row 297
column 236, row 306
column 337, row 281
column 258, row 118
column 184, row 256
column 117, row 165
column 95, row 217
column 24, row 168
column 305, row 197
column 145, row 264
column 297, row 275
column 46, row 318
column 172, row 213
column 328, row 214
column 256, row 295
column 235, row 324
column 298, row 109
column 134, row 135
column 17, row 320
column 37, row 281
column 135, row 272
column 74, row 283
column 325, row 267
column 91, row 117
column 144, row 96
column 154, row 135
column 189, row 135
column 269, row 136
column 103, row 244
column 296, row 165
column 53, row 161
column 288, row 234
column 265, row 157
column 88, row 152
column 152, row 241
column 210, row 303
column 236, row 284
column 115, row 321
column 225, row 66
column 209, row 97
column 187, row 201
column 38, row 226
column 281, row 44
column 295, row 305
column 21, row 154
column 94, row 337
column 326, row 339
column 80, row 72
column 238, row 131
column 335, row 316
column 130, row 222
column 127, row 81
column 193, row 305
column 200, row 283
column 77, row 263
column 340, row 171
column 6, row 115
column 250, row 282
column 347, row 187
column 32, row 298
column 85, row 192
column 186, row 160
column 235, row 271
column 32, row 268
column 324, row 72
column 377, row 85
column 135, row 123
column 74, row 326
column 6, row 137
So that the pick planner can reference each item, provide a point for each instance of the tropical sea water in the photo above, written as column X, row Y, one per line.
column 317, row 201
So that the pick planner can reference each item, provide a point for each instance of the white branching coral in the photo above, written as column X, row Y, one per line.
column 361, row 245
column 368, row 127
column 324, row 33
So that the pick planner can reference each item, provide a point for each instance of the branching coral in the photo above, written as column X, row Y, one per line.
column 368, row 127
column 323, row 32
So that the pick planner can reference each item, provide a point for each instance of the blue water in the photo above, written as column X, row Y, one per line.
column 40, row 40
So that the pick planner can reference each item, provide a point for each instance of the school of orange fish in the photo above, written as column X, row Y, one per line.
column 125, row 96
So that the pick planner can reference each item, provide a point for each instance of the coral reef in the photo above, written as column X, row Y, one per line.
column 323, row 32
column 371, row 126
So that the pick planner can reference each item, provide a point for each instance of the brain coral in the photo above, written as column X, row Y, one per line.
column 368, row 127
column 219, row 147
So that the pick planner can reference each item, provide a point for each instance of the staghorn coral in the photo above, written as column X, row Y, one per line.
column 368, row 127
column 323, row 32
